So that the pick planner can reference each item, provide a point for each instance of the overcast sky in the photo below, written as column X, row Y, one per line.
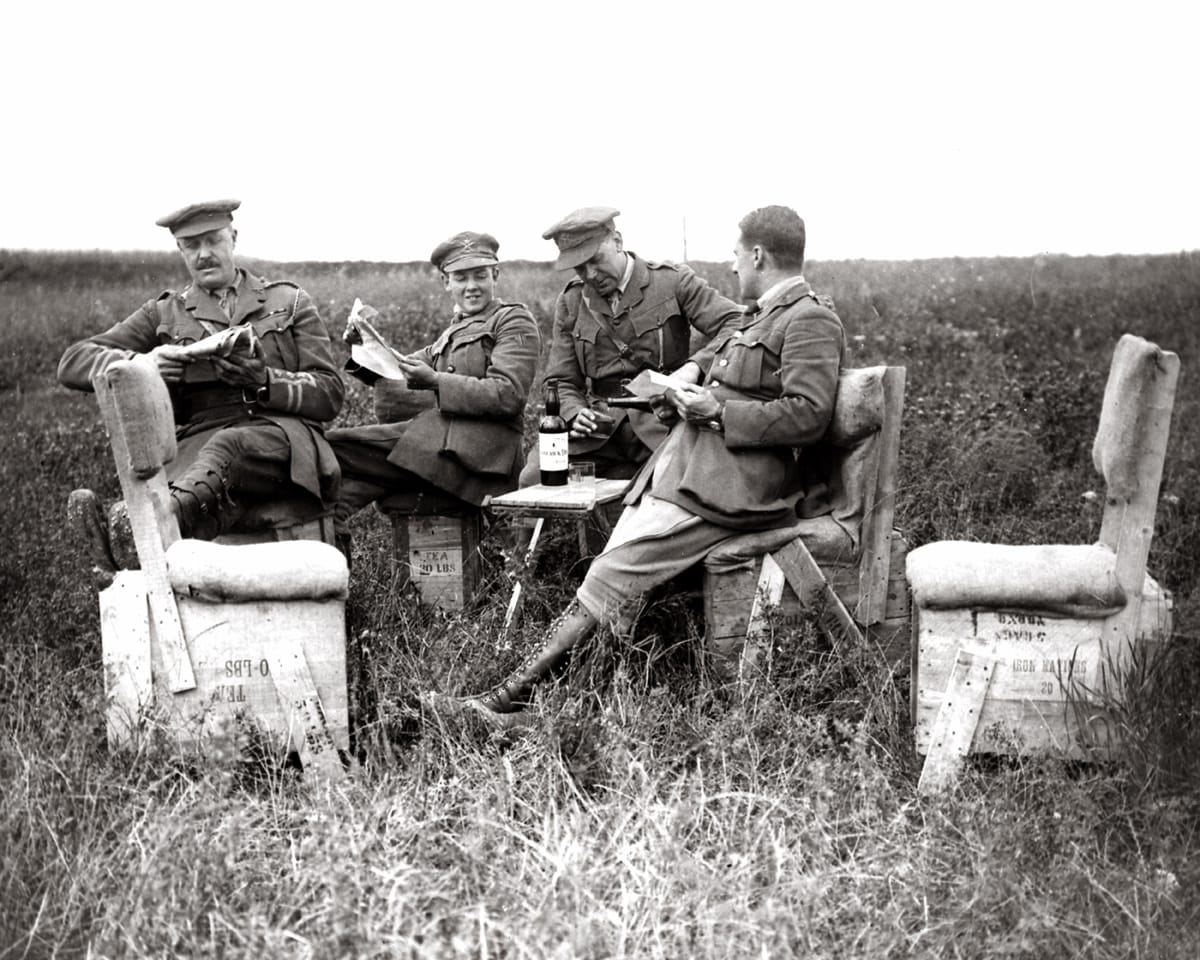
column 372, row 131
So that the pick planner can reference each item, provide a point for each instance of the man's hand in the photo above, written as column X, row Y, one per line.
column 664, row 409
column 690, row 372
column 420, row 375
column 589, row 422
column 695, row 403
column 241, row 370
column 170, row 360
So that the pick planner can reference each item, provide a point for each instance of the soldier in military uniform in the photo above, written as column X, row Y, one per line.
column 619, row 316
column 467, row 442
column 249, row 426
column 754, row 401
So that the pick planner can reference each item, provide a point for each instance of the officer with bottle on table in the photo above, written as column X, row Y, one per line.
column 618, row 316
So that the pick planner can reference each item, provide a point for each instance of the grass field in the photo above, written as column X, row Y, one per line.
column 647, row 813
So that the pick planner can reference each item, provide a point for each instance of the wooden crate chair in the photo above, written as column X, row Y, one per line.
column 213, row 643
column 1024, row 649
column 435, row 537
column 848, row 564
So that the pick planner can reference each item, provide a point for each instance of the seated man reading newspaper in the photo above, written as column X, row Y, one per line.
column 251, row 376
column 467, row 441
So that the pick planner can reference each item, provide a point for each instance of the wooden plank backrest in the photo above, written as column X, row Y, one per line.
column 136, row 410
column 879, row 518
column 1129, row 450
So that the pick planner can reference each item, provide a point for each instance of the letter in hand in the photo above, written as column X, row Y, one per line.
column 694, row 403
column 419, row 374
column 242, row 370
column 170, row 359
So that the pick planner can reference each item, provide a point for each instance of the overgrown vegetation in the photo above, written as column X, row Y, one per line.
column 646, row 812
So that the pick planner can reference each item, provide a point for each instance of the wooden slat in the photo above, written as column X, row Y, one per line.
column 954, row 729
column 512, row 616
column 814, row 592
column 308, row 729
column 877, row 525
column 154, row 529
column 767, row 594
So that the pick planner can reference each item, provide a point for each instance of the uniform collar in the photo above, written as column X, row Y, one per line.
column 787, row 290
column 205, row 305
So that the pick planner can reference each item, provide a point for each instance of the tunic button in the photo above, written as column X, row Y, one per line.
column 450, row 368
column 724, row 363
column 716, row 383
column 737, row 333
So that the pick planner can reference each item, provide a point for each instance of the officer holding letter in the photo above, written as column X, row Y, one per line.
column 252, row 379
column 618, row 316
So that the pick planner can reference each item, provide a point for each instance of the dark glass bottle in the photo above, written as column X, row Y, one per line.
column 552, row 441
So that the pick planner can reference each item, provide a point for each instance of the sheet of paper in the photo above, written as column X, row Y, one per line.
column 226, row 343
column 650, row 384
column 372, row 354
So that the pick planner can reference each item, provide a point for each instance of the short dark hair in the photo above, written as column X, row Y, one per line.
column 779, row 231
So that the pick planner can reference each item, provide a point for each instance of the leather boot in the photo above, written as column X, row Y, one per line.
column 196, row 501
column 120, row 537
column 513, row 693
column 498, row 708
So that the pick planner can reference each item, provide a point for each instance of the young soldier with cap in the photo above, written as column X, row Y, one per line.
column 467, row 443
column 249, row 426
column 761, row 390
column 620, row 315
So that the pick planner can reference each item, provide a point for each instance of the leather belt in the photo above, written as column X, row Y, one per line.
column 213, row 403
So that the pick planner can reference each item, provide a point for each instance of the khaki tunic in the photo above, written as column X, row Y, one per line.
column 662, row 304
column 777, row 374
column 469, row 443
column 305, row 389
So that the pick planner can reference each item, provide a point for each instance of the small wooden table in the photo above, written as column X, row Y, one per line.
column 576, row 502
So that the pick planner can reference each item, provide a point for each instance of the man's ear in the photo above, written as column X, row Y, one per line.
column 618, row 241
column 445, row 280
column 495, row 273
column 233, row 236
column 759, row 257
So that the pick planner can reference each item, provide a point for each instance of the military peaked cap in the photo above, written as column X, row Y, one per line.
column 199, row 218
column 465, row 251
column 580, row 233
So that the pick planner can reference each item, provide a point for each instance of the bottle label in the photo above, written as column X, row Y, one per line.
column 552, row 451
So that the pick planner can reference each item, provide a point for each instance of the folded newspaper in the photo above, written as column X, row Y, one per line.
column 226, row 343
column 240, row 341
column 370, row 357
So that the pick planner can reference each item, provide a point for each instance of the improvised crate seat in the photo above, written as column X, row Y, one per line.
column 209, row 642
column 435, row 542
column 1045, row 634
column 435, row 536
column 849, row 560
